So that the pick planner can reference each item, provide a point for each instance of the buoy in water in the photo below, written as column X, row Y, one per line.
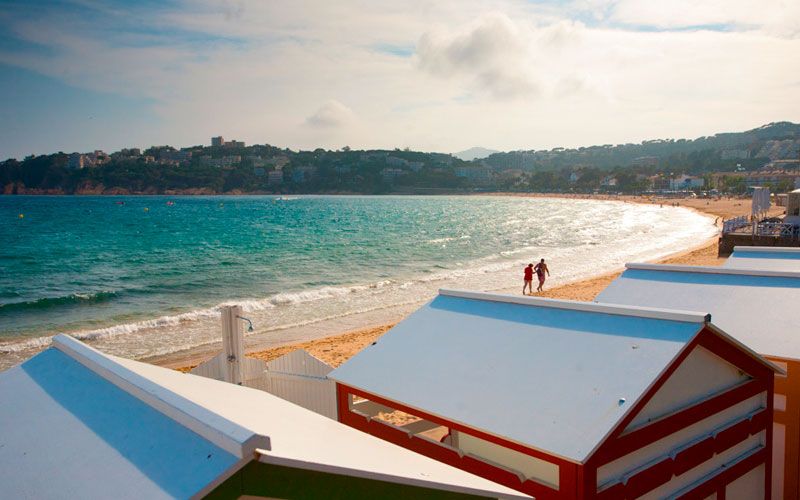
column 21, row 216
column 146, row 209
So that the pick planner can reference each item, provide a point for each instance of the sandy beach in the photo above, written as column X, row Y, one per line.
column 336, row 349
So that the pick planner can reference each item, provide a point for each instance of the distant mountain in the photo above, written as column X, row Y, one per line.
column 474, row 154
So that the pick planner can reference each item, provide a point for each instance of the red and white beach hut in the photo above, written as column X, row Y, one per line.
column 562, row 399
column 757, row 308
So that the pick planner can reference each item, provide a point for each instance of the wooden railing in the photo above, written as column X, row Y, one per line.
column 777, row 229
column 731, row 225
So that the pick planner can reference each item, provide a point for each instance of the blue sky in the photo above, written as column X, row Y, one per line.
column 89, row 74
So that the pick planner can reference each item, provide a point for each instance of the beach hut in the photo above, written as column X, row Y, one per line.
column 765, row 258
column 758, row 308
column 79, row 424
column 563, row 399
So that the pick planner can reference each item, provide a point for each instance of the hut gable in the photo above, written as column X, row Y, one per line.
column 701, row 375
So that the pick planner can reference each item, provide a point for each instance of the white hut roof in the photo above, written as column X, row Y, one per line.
column 765, row 258
column 93, row 425
column 304, row 439
column 755, row 307
column 546, row 374
column 70, row 433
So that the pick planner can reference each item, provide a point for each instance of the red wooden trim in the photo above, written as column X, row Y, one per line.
column 729, row 436
column 649, row 479
column 727, row 476
column 567, row 472
column 694, row 455
column 663, row 427
column 613, row 492
column 659, row 473
column 581, row 491
column 732, row 353
column 763, row 419
column 460, row 427
column 342, row 403
column 663, row 471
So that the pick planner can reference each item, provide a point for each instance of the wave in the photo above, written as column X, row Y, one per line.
column 173, row 348
column 52, row 302
column 25, row 345
column 449, row 238
column 247, row 305
column 491, row 272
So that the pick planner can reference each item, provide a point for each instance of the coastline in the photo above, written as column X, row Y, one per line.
column 337, row 348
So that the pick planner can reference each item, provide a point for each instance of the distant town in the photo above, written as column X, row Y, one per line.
column 725, row 163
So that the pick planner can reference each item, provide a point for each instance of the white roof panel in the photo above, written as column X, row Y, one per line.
column 547, row 374
column 304, row 439
column 765, row 258
column 755, row 307
column 89, row 425
column 69, row 433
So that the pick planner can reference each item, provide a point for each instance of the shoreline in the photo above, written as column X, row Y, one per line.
column 337, row 348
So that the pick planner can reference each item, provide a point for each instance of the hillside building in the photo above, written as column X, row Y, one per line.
column 275, row 177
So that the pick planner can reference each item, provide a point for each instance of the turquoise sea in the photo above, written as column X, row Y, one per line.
column 143, row 276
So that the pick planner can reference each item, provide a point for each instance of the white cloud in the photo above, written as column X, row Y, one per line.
column 779, row 17
column 332, row 114
column 491, row 53
column 512, row 75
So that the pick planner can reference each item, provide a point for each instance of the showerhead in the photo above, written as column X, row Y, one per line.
column 249, row 323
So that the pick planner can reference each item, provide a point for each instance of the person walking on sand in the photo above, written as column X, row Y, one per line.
column 540, row 269
column 528, row 280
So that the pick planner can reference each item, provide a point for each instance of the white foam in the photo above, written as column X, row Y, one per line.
column 646, row 232
column 25, row 345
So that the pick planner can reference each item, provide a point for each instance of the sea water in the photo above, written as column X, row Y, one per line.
column 145, row 276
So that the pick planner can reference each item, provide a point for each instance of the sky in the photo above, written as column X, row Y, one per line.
column 80, row 75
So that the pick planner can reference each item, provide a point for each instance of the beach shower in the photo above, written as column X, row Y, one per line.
column 249, row 323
